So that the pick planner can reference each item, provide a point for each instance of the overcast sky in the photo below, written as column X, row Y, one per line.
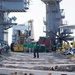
column 37, row 11
column 68, row 6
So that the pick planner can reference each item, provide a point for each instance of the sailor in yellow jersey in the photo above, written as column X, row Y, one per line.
column 73, row 46
column 67, row 46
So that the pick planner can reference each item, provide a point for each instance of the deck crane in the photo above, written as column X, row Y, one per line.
column 54, row 19
column 7, row 6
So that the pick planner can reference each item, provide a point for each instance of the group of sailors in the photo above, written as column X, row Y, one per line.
column 66, row 46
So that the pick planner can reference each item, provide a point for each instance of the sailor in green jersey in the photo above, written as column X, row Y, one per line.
column 36, row 50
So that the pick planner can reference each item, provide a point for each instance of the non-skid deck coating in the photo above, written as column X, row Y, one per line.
column 24, row 62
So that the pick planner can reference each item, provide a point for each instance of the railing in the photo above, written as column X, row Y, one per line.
column 44, row 21
column 63, row 15
column 64, row 22
column 44, row 29
column 26, row 4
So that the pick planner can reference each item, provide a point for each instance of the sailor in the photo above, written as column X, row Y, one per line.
column 36, row 49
